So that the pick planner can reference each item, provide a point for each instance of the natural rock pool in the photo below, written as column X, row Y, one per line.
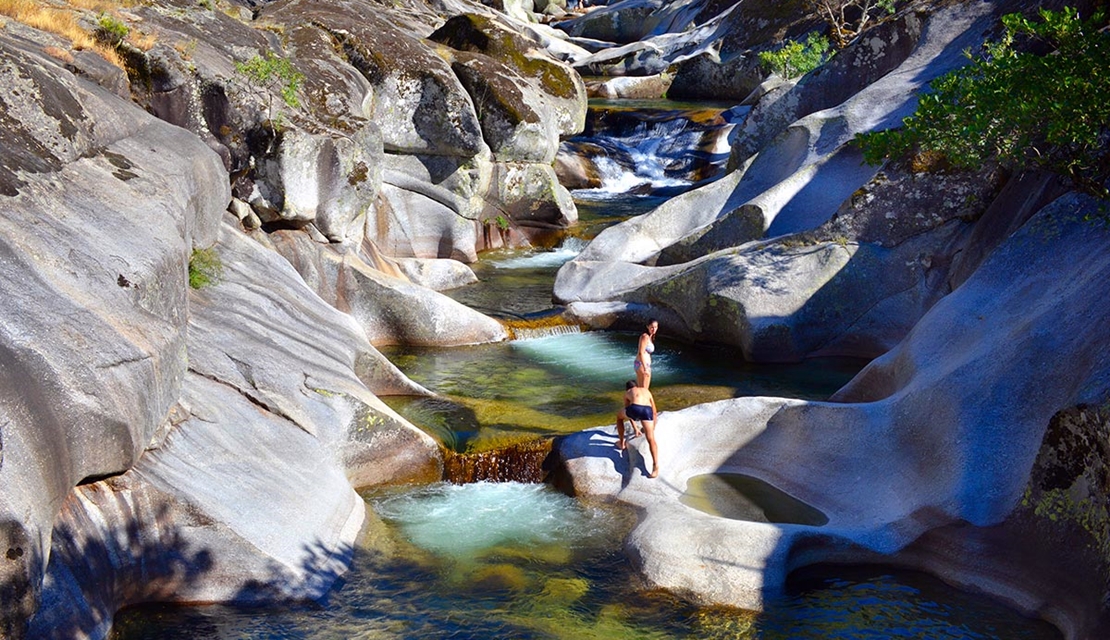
column 517, row 560
column 513, row 560
column 520, row 560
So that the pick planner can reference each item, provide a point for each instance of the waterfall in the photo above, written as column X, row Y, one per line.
column 521, row 462
column 653, row 150
column 525, row 333
column 540, row 327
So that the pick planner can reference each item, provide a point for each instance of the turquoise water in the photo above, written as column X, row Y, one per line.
column 513, row 560
column 566, row 383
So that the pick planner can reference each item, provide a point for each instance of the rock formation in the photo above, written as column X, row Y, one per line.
column 968, row 448
column 921, row 457
column 162, row 441
column 761, row 295
column 328, row 168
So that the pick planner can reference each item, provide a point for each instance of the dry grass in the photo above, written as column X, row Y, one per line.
column 142, row 41
column 62, row 21
column 59, row 53
column 96, row 6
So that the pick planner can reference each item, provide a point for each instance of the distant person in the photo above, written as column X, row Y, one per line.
column 646, row 347
column 639, row 406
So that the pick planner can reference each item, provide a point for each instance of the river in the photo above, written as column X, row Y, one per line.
column 521, row 560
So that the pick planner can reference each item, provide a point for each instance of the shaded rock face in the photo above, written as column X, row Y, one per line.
column 867, row 59
column 958, row 410
column 706, row 77
column 703, row 39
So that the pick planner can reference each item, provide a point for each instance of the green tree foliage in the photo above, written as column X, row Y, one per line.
column 796, row 58
column 111, row 30
column 848, row 18
column 273, row 73
column 1024, row 108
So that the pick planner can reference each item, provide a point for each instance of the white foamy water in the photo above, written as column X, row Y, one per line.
column 592, row 355
column 462, row 521
column 617, row 179
column 539, row 260
column 546, row 332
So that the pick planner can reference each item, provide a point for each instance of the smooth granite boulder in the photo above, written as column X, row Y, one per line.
column 330, row 180
column 389, row 309
column 436, row 274
column 100, row 205
column 934, row 439
column 794, row 184
column 634, row 88
column 250, row 497
column 619, row 22
column 430, row 206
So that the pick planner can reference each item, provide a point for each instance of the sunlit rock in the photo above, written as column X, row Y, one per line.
column 390, row 310
column 102, row 205
column 327, row 179
column 930, row 444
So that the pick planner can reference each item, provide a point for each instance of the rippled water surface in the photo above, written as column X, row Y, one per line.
column 513, row 560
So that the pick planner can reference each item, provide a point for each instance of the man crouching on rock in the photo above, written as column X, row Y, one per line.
column 639, row 406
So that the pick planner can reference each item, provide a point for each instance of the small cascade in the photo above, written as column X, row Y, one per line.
column 545, row 332
column 542, row 327
column 522, row 462
column 646, row 151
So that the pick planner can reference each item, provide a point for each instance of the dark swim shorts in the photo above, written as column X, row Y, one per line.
column 639, row 412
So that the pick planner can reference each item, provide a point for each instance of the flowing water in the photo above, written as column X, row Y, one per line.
column 512, row 560
column 520, row 560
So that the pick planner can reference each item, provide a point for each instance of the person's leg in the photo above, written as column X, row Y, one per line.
column 620, row 428
column 649, row 431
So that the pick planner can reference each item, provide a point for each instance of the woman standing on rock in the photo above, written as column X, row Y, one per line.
column 642, row 365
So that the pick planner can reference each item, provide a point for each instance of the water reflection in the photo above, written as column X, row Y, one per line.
column 742, row 497
column 827, row 602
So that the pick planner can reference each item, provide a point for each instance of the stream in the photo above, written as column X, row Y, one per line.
column 521, row 560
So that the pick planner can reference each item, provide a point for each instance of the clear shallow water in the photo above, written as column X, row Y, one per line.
column 522, row 561
column 517, row 283
column 498, row 393
column 742, row 497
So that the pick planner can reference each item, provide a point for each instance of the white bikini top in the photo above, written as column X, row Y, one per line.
column 650, row 348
